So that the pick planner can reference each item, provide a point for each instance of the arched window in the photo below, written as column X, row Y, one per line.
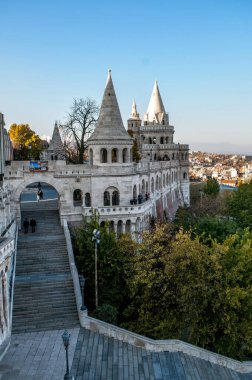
column 152, row 185
column 102, row 224
column 157, row 183
column 87, row 200
column 91, row 156
column 182, row 156
column 163, row 122
column 77, row 197
column 125, row 155
column 115, row 198
column 106, row 198
column 154, row 140
column 150, row 140
column 114, row 154
column 173, row 156
column 104, row 156
column 155, row 157
column 161, row 140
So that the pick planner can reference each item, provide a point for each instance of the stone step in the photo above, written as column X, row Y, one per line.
column 44, row 293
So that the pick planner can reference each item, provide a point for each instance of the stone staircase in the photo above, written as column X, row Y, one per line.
column 44, row 295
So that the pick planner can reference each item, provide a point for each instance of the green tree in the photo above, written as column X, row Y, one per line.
column 212, row 187
column 110, row 271
column 25, row 142
column 239, row 205
column 180, row 288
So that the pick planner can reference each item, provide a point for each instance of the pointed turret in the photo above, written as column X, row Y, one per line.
column 55, row 150
column 109, row 124
column 156, row 112
column 134, row 114
column 110, row 143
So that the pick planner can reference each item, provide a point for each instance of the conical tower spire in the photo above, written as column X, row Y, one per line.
column 55, row 146
column 134, row 113
column 156, row 111
column 109, row 124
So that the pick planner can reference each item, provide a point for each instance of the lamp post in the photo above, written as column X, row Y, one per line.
column 66, row 340
column 96, row 239
column 82, row 285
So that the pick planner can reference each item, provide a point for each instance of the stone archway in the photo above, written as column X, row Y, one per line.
column 52, row 189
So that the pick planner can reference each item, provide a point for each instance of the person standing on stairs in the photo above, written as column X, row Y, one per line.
column 33, row 224
column 26, row 225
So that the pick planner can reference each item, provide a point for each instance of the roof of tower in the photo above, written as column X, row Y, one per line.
column 56, row 142
column 156, row 111
column 134, row 114
column 109, row 125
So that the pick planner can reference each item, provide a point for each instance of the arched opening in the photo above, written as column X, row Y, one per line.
column 106, row 197
column 134, row 192
column 104, row 156
column 125, row 155
column 102, row 224
column 184, row 175
column 167, row 140
column 143, row 188
column 115, row 198
column 77, row 197
column 152, row 185
column 112, row 226
column 114, row 155
column 119, row 228
column 150, row 140
column 87, row 200
column 91, row 158
column 128, row 226
column 161, row 140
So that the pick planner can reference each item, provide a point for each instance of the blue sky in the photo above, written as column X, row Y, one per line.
column 200, row 51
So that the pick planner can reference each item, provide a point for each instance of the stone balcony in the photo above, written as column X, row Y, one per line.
column 121, row 211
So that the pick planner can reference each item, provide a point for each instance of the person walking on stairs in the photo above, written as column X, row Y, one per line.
column 33, row 224
column 26, row 225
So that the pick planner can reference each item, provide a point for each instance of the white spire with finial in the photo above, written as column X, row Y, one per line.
column 134, row 114
column 156, row 111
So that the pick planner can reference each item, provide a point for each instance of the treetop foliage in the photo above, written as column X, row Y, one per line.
column 25, row 142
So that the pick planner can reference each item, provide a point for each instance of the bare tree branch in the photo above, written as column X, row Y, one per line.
column 79, row 125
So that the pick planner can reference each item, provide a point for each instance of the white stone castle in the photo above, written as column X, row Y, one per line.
column 125, row 193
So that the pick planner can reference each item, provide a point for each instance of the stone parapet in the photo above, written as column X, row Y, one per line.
column 171, row 345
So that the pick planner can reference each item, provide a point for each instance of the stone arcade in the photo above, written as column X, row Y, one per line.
column 123, row 192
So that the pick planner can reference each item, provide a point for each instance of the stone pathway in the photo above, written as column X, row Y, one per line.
column 93, row 356
column 37, row 356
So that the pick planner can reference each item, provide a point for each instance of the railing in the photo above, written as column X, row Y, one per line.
column 120, row 210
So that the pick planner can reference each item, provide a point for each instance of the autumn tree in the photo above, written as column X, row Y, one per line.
column 180, row 288
column 79, row 125
column 25, row 142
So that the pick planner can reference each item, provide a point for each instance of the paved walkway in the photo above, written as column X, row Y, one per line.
column 93, row 356
column 37, row 356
